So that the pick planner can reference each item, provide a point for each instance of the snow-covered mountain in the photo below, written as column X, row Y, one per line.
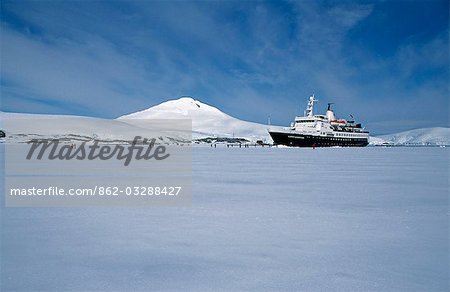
column 207, row 121
column 425, row 136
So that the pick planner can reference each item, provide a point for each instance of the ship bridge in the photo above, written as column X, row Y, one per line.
column 311, row 119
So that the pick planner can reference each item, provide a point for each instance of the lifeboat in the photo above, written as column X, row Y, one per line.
column 339, row 122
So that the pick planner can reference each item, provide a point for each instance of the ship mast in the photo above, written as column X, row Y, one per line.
column 310, row 107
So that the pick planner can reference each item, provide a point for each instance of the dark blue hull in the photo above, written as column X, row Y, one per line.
column 301, row 140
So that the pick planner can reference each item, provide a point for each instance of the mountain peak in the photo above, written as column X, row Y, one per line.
column 184, row 106
column 207, row 120
column 188, row 101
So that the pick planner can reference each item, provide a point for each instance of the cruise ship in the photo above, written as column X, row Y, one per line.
column 320, row 131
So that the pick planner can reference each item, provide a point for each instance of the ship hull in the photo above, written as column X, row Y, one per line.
column 303, row 140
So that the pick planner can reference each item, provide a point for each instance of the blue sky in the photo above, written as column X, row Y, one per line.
column 385, row 62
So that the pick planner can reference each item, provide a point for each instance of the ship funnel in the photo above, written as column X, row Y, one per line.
column 330, row 114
